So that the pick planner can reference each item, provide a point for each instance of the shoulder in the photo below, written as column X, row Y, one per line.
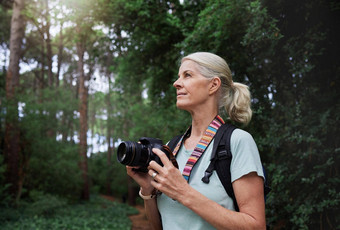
column 242, row 144
column 240, row 136
column 246, row 157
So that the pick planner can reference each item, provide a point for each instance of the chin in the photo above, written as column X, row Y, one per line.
column 182, row 106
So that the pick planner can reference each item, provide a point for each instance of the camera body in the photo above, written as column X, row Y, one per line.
column 140, row 153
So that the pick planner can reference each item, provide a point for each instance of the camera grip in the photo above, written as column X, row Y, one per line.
column 172, row 158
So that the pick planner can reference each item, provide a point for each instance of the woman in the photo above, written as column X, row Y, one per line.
column 204, row 85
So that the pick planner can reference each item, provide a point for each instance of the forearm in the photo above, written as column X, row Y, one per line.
column 151, row 209
column 150, row 203
column 153, row 214
column 218, row 216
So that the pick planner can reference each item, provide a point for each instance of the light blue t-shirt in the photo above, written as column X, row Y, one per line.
column 245, row 159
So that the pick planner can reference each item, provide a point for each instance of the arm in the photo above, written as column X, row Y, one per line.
column 248, row 190
column 153, row 214
column 250, row 199
column 143, row 179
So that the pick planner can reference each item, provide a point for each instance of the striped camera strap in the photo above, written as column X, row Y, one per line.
column 200, row 147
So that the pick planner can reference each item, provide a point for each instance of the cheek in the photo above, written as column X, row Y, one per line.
column 195, row 87
column 199, row 91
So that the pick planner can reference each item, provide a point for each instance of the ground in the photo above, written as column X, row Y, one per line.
column 139, row 221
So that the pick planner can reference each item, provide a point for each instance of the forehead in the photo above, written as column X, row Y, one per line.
column 188, row 65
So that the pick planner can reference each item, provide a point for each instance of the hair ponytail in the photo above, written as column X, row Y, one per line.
column 237, row 102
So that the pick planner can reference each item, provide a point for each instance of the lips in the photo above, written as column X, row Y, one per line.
column 180, row 93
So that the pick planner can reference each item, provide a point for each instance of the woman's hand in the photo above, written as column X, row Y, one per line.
column 143, row 179
column 169, row 179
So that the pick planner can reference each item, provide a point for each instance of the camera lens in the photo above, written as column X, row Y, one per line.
column 126, row 152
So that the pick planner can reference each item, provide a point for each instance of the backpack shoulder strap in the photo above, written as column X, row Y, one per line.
column 173, row 142
column 221, row 159
column 217, row 139
column 222, row 165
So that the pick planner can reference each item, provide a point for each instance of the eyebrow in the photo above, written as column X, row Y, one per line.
column 186, row 71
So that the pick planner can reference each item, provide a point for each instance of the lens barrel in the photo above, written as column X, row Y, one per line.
column 133, row 154
column 126, row 152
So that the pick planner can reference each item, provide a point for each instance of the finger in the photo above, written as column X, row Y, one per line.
column 165, row 160
column 131, row 167
column 153, row 165
column 128, row 169
column 153, row 174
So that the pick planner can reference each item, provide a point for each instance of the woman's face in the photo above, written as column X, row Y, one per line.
column 192, row 87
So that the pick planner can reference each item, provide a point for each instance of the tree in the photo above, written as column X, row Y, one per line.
column 305, row 74
column 12, row 134
column 83, row 96
column 84, row 46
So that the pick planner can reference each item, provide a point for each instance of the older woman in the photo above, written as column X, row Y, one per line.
column 205, row 85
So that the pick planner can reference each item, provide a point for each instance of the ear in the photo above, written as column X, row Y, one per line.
column 215, row 84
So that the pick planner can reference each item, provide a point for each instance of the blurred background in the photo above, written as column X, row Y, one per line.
column 79, row 76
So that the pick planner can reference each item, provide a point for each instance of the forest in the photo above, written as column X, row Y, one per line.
column 77, row 77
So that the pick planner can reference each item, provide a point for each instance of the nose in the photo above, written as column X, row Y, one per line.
column 177, row 84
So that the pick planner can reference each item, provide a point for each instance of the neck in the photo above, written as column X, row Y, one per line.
column 200, row 122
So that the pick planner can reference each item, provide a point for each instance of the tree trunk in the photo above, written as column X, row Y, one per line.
column 109, row 138
column 60, row 54
column 83, row 107
column 12, row 134
column 109, row 164
column 51, row 133
column 48, row 46
column 42, row 73
column 132, row 191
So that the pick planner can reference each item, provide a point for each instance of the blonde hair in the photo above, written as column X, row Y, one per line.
column 234, row 97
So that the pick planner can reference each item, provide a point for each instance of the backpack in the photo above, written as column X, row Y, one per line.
column 221, row 159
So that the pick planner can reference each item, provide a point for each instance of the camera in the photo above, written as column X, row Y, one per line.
column 140, row 153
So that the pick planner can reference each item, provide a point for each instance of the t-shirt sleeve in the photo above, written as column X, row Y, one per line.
column 246, row 157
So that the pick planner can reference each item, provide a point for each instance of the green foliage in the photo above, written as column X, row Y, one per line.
column 96, row 214
column 308, row 177
column 49, row 165
column 5, row 19
column 302, row 137
column 100, row 172
column 4, row 197
column 43, row 204
column 152, row 32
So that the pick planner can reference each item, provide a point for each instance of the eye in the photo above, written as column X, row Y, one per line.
column 187, row 75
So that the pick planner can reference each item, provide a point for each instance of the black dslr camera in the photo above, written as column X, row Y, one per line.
column 140, row 153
